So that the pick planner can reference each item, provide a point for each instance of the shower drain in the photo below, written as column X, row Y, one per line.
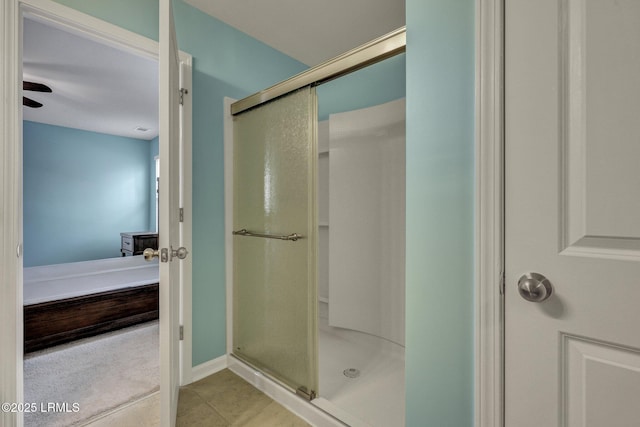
column 351, row 373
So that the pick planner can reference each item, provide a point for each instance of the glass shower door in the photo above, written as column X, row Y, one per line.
column 274, row 244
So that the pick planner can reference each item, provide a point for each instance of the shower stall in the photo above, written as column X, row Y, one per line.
column 317, row 234
column 361, row 298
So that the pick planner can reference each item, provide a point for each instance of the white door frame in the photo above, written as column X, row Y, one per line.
column 11, row 324
column 489, row 215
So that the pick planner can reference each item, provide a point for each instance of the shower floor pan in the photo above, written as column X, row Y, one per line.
column 372, row 396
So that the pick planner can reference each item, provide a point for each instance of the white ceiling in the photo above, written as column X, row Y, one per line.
column 310, row 31
column 103, row 89
column 95, row 87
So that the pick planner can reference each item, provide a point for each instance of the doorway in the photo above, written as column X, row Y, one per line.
column 91, row 28
column 88, row 144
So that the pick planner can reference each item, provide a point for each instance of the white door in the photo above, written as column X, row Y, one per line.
column 572, row 107
column 169, row 227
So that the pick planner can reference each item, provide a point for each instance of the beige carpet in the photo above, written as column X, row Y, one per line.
column 91, row 376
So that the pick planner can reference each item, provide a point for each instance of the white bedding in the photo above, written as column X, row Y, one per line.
column 60, row 281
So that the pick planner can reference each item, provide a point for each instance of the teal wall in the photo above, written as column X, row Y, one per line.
column 139, row 16
column 81, row 190
column 226, row 62
column 374, row 85
column 440, row 212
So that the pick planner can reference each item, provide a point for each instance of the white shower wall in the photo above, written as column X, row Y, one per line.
column 362, row 220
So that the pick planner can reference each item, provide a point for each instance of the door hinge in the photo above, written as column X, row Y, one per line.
column 181, row 214
column 181, row 333
column 502, row 283
column 183, row 92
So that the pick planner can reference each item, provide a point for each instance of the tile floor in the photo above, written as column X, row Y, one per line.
column 222, row 399
column 225, row 399
column 141, row 413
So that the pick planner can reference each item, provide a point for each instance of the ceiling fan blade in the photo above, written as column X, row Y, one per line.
column 30, row 102
column 37, row 87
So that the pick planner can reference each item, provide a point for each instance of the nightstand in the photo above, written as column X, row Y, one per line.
column 134, row 243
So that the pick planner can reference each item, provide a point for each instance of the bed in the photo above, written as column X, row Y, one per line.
column 65, row 302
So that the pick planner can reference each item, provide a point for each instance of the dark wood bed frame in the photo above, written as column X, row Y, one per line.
column 57, row 322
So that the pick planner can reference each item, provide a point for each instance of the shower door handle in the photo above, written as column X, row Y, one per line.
column 292, row 237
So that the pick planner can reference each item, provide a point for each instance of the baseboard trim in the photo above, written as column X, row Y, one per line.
column 210, row 367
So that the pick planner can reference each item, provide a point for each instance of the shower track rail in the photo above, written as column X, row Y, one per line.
column 292, row 237
column 376, row 50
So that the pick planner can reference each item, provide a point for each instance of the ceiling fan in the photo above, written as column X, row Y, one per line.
column 36, row 87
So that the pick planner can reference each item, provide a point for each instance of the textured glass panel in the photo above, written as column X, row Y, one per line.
column 274, row 292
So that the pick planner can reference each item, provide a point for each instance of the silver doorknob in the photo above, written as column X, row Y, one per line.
column 534, row 287
column 181, row 253
column 150, row 254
